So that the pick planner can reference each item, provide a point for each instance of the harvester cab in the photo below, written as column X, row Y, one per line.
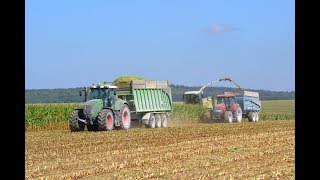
column 192, row 97
column 196, row 97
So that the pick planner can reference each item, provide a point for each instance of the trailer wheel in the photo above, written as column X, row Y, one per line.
column 254, row 117
column 251, row 117
column 228, row 117
column 237, row 115
column 125, row 117
column 76, row 125
column 257, row 117
column 105, row 120
column 158, row 120
column 152, row 121
column 164, row 120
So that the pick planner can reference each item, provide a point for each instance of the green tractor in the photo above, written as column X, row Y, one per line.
column 102, row 110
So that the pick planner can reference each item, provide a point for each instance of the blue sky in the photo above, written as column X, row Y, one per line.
column 75, row 43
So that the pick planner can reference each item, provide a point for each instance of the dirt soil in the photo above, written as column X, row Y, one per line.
column 265, row 150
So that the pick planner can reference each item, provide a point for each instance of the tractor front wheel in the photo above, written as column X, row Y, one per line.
column 228, row 117
column 76, row 125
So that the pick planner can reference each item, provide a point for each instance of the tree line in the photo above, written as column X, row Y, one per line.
column 71, row 95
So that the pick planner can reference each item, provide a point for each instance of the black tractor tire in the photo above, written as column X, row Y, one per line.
column 251, row 117
column 164, row 120
column 237, row 115
column 228, row 118
column 125, row 121
column 105, row 120
column 158, row 120
column 76, row 125
column 151, row 122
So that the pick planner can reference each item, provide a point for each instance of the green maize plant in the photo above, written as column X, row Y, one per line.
column 39, row 115
column 188, row 112
column 276, row 116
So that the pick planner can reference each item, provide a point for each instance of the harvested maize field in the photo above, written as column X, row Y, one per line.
column 261, row 150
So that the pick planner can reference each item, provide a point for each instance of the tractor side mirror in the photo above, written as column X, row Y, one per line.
column 80, row 93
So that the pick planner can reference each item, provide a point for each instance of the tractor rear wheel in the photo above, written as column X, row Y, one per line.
column 152, row 121
column 237, row 115
column 158, row 120
column 76, row 125
column 125, row 122
column 164, row 120
column 228, row 117
column 105, row 120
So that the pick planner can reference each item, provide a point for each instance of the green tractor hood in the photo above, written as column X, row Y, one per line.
column 92, row 108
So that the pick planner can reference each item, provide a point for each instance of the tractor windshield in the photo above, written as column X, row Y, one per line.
column 221, row 100
column 226, row 100
column 98, row 93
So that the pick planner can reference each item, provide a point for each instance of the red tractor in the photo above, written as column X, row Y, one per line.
column 227, row 108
